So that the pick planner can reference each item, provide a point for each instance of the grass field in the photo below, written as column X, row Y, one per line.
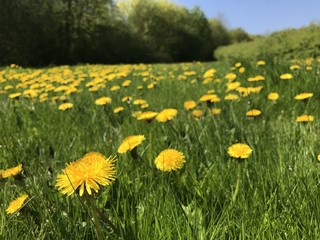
column 278, row 194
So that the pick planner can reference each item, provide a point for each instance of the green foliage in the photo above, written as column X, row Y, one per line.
column 287, row 44
column 219, row 33
column 174, row 33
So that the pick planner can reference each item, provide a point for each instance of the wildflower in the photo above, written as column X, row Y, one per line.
column 149, row 115
column 242, row 70
column 303, row 96
column 239, row 150
column 126, row 83
column 11, row 172
column 253, row 113
column 114, row 88
column 130, row 143
column 294, row 67
column 65, row 106
column 286, row 76
column 16, row 204
column 103, row 101
column 305, row 118
column 197, row 113
column 118, row 109
column 232, row 86
column 14, row 95
column 188, row 105
column 169, row 160
column 87, row 173
column 166, row 115
column 216, row 111
column 261, row 63
column 231, row 97
column 273, row 96
column 210, row 73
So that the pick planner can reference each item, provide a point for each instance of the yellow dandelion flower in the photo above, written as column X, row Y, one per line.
column 166, row 115
column 14, row 95
column 11, row 172
column 118, row 109
column 239, row 150
column 230, row 77
column 303, row 96
column 136, row 114
column 216, row 111
column 294, row 67
column 305, row 118
column 126, row 83
column 261, row 63
column 127, row 99
column 87, row 173
column 188, row 105
column 208, row 97
column 237, row 65
column 286, row 76
column 273, row 96
column 231, row 97
column 242, row 70
column 170, row 160
column 114, row 88
column 253, row 113
column 149, row 115
column 318, row 157
column 139, row 102
column 232, row 86
column 103, row 101
column 65, row 106
column 197, row 113
column 210, row 73
column 130, row 143
column 16, row 204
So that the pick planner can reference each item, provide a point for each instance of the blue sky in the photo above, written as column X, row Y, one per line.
column 260, row 16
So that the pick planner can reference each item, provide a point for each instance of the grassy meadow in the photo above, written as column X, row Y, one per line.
column 278, row 184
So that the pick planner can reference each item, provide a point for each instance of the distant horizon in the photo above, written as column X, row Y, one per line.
column 259, row 17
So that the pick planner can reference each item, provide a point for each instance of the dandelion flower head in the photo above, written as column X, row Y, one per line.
column 16, row 204
column 130, row 143
column 170, row 160
column 239, row 150
column 86, row 174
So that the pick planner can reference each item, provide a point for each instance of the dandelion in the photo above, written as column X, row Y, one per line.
column 166, row 115
column 261, row 63
column 273, row 96
column 188, row 105
column 253, row 113
column 231, row 97
column 118, row 109
column 86, row 174
column 14, row 95
column 170, row 160
column 11, row 172
column 239, row 150
column 130, row 142
column 216, row 111
column 303, row 96
column 65, row 106
column 197, row 113
column 305, row 118
column 148, row 116
column 16, row 204
column 103, row 101
column 286, row 76
column 114, row 88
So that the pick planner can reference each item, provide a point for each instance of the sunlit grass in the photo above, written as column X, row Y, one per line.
column 278, row 190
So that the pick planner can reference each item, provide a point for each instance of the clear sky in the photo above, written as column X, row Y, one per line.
column 260, row 16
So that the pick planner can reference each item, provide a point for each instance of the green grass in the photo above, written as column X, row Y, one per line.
column 279, row 185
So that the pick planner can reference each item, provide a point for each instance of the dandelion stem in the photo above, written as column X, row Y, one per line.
column 95, row 214
column 237, row 184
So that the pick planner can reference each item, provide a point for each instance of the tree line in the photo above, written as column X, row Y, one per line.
column 46, row 32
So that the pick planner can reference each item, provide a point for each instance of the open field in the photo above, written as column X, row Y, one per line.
column 272, row 194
